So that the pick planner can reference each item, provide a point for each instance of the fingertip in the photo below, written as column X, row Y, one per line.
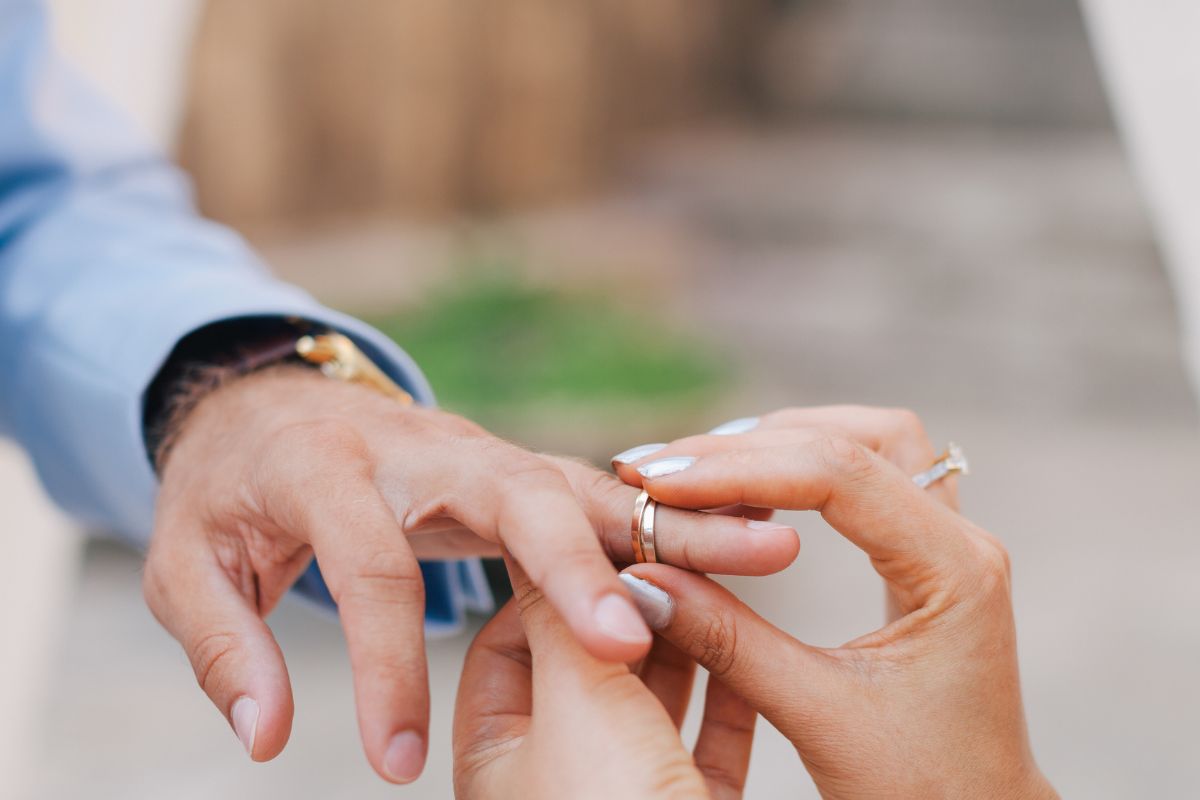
column 770, row 546
column 244, row 717
column 618, row 619
column 656, row 606
column 262, row 720
column 244, row 675
column 723, row 545
column 404, row 759
column 592, row 604
column 609, row 628
column 396, row 749
column 659, row 590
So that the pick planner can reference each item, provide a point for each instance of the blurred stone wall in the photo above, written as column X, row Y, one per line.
column 1025, row 62
column 304, row 108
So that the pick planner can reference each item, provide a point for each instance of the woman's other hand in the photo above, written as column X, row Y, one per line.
column 537, row 716
column 927, row 706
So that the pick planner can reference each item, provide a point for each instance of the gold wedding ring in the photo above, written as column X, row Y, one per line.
column 651, row 555
column 642, row 529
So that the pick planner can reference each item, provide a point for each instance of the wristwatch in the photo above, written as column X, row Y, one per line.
column 211, row 356
column 340, row 359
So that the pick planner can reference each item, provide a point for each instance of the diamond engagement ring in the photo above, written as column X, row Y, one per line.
column 952, row 460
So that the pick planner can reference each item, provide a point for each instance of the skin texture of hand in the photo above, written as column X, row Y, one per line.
column 283, row 464
column 539, row 717
column 927, row 706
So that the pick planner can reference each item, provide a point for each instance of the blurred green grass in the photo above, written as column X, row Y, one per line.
column 494, row 347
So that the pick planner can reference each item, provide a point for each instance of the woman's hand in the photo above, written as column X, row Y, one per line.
column 896, row 434
column 538, row 717
column 927, row 706
column 282, row 464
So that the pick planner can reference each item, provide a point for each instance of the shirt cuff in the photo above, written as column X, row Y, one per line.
column 88, row 418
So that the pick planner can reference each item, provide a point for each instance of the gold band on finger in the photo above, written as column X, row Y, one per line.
column 635, row 529
column 649, row 554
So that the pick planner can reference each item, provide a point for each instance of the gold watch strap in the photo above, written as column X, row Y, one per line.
column 340, row 359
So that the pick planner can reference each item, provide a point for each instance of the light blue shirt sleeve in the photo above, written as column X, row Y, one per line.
column 104, row 267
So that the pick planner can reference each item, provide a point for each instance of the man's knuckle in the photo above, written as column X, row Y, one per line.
column 414, row 513
column 991, row 567
column 845, row 456
column 488, row 448
column 467, row 428
column 675, row 779
column 161, row 577
column 209, row 654
column 615, row 685
column 713, row 643
column 525, row 484
column 722, row 776
column 906, row 441
column 317, row 439
column 607, row 491
column 387, row 577
column 608, row 503
column 733, row 727
column 574, row 559
column 525, row 469
column 527, row 597
column 508, row 461
column 996, row 560
column 907, row 422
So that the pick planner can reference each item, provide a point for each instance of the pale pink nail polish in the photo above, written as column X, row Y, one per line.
column 244, row 715
column 405, row 757
column 617, row 617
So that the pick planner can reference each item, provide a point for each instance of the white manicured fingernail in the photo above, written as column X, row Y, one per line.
column 619, row 619
column 245, row 722
column 635, row 453
column 767, row 525
column 735, row 426
column 666, row 466
column 655, row 605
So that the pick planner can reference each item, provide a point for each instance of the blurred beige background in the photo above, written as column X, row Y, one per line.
column 916, row 203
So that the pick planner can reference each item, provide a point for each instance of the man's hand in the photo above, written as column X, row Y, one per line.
column 284, row 464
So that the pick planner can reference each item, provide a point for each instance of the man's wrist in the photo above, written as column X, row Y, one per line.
column 206, row 360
